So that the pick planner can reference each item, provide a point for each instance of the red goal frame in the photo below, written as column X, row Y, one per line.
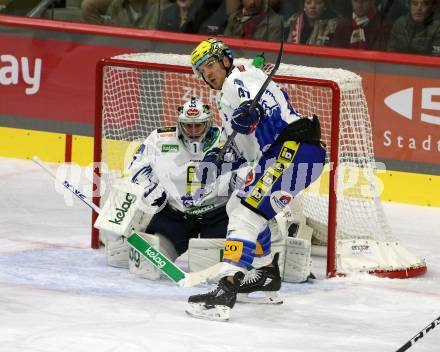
column 333, row 155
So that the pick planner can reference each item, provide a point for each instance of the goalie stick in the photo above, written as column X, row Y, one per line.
column 419, row 335
column 231, row 137
column 66, row 184
column 153, row 255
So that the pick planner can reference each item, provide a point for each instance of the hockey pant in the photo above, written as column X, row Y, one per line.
column 282, row 172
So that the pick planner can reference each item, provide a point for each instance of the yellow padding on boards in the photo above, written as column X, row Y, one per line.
column 354, row 182
column 395, row 186
column 24, row 144
column 117, row 154
column 404, row 187
column 391, row 186
column 82, row 150
column 233, row 250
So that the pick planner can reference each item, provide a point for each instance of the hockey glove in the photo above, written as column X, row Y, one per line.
column 209, row 168
column 244, row 122
column 158, row 202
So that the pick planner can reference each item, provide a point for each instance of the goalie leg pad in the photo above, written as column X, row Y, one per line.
column 204, row 253
column 298, row 260
column 117, row 252
column 140, row 266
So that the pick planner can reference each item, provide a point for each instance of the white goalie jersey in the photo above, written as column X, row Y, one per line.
column 165, row 160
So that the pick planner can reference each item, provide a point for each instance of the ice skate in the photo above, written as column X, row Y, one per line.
column 265, row 282
column 216, row 304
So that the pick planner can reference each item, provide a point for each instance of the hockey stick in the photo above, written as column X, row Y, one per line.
column 419, row 335
column 166, row 266
column 254, row 103
column 67, row 185
column 158, row 259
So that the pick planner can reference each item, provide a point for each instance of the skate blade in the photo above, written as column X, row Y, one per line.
column 200, row 311
column 270, row 297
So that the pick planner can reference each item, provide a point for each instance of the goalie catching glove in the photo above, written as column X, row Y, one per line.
column 210, row 167
column 245, row 121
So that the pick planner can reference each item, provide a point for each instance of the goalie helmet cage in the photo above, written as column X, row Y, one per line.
column 137, row 93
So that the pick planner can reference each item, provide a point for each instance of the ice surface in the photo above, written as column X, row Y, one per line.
column 57, row 294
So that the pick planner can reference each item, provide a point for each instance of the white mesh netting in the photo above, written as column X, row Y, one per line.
column 135, row 101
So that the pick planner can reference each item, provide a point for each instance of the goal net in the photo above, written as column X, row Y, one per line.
column 138, row 93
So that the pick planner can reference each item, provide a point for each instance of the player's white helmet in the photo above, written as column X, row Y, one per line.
column 194, row 121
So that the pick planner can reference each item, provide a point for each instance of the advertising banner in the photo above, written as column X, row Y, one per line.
column 54, row 79
column 406, row 121
column 49, row 79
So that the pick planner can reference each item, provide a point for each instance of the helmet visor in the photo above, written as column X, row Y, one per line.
column 194, row 130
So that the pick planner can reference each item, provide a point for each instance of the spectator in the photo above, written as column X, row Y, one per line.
column 18, row 8
column 314, row 25
column 181, row 16
column 366, row 30
column 391, row 9
column 417, row 32
column 213, row 17
column 93, row 11
column 342, row 7
column 275, row 5
column 136, row 13
column 231, row 6
column 288, row 8
column 255, row 20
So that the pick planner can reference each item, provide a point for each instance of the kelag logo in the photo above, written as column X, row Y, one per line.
column 402, row 103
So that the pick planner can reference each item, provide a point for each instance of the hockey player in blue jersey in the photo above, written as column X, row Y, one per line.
column 285, row 151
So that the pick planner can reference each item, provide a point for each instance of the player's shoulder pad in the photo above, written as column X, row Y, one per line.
column 242, row 68
column 245, row 77
column 245, row 70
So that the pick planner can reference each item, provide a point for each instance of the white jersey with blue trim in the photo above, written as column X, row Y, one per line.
column 243, row 84
column 163, row 159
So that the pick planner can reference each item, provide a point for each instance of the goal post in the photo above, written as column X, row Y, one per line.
column 137, row 93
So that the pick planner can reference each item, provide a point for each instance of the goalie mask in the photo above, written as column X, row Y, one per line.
column 194, row 121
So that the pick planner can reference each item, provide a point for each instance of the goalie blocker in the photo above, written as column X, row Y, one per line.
column 129, row 207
